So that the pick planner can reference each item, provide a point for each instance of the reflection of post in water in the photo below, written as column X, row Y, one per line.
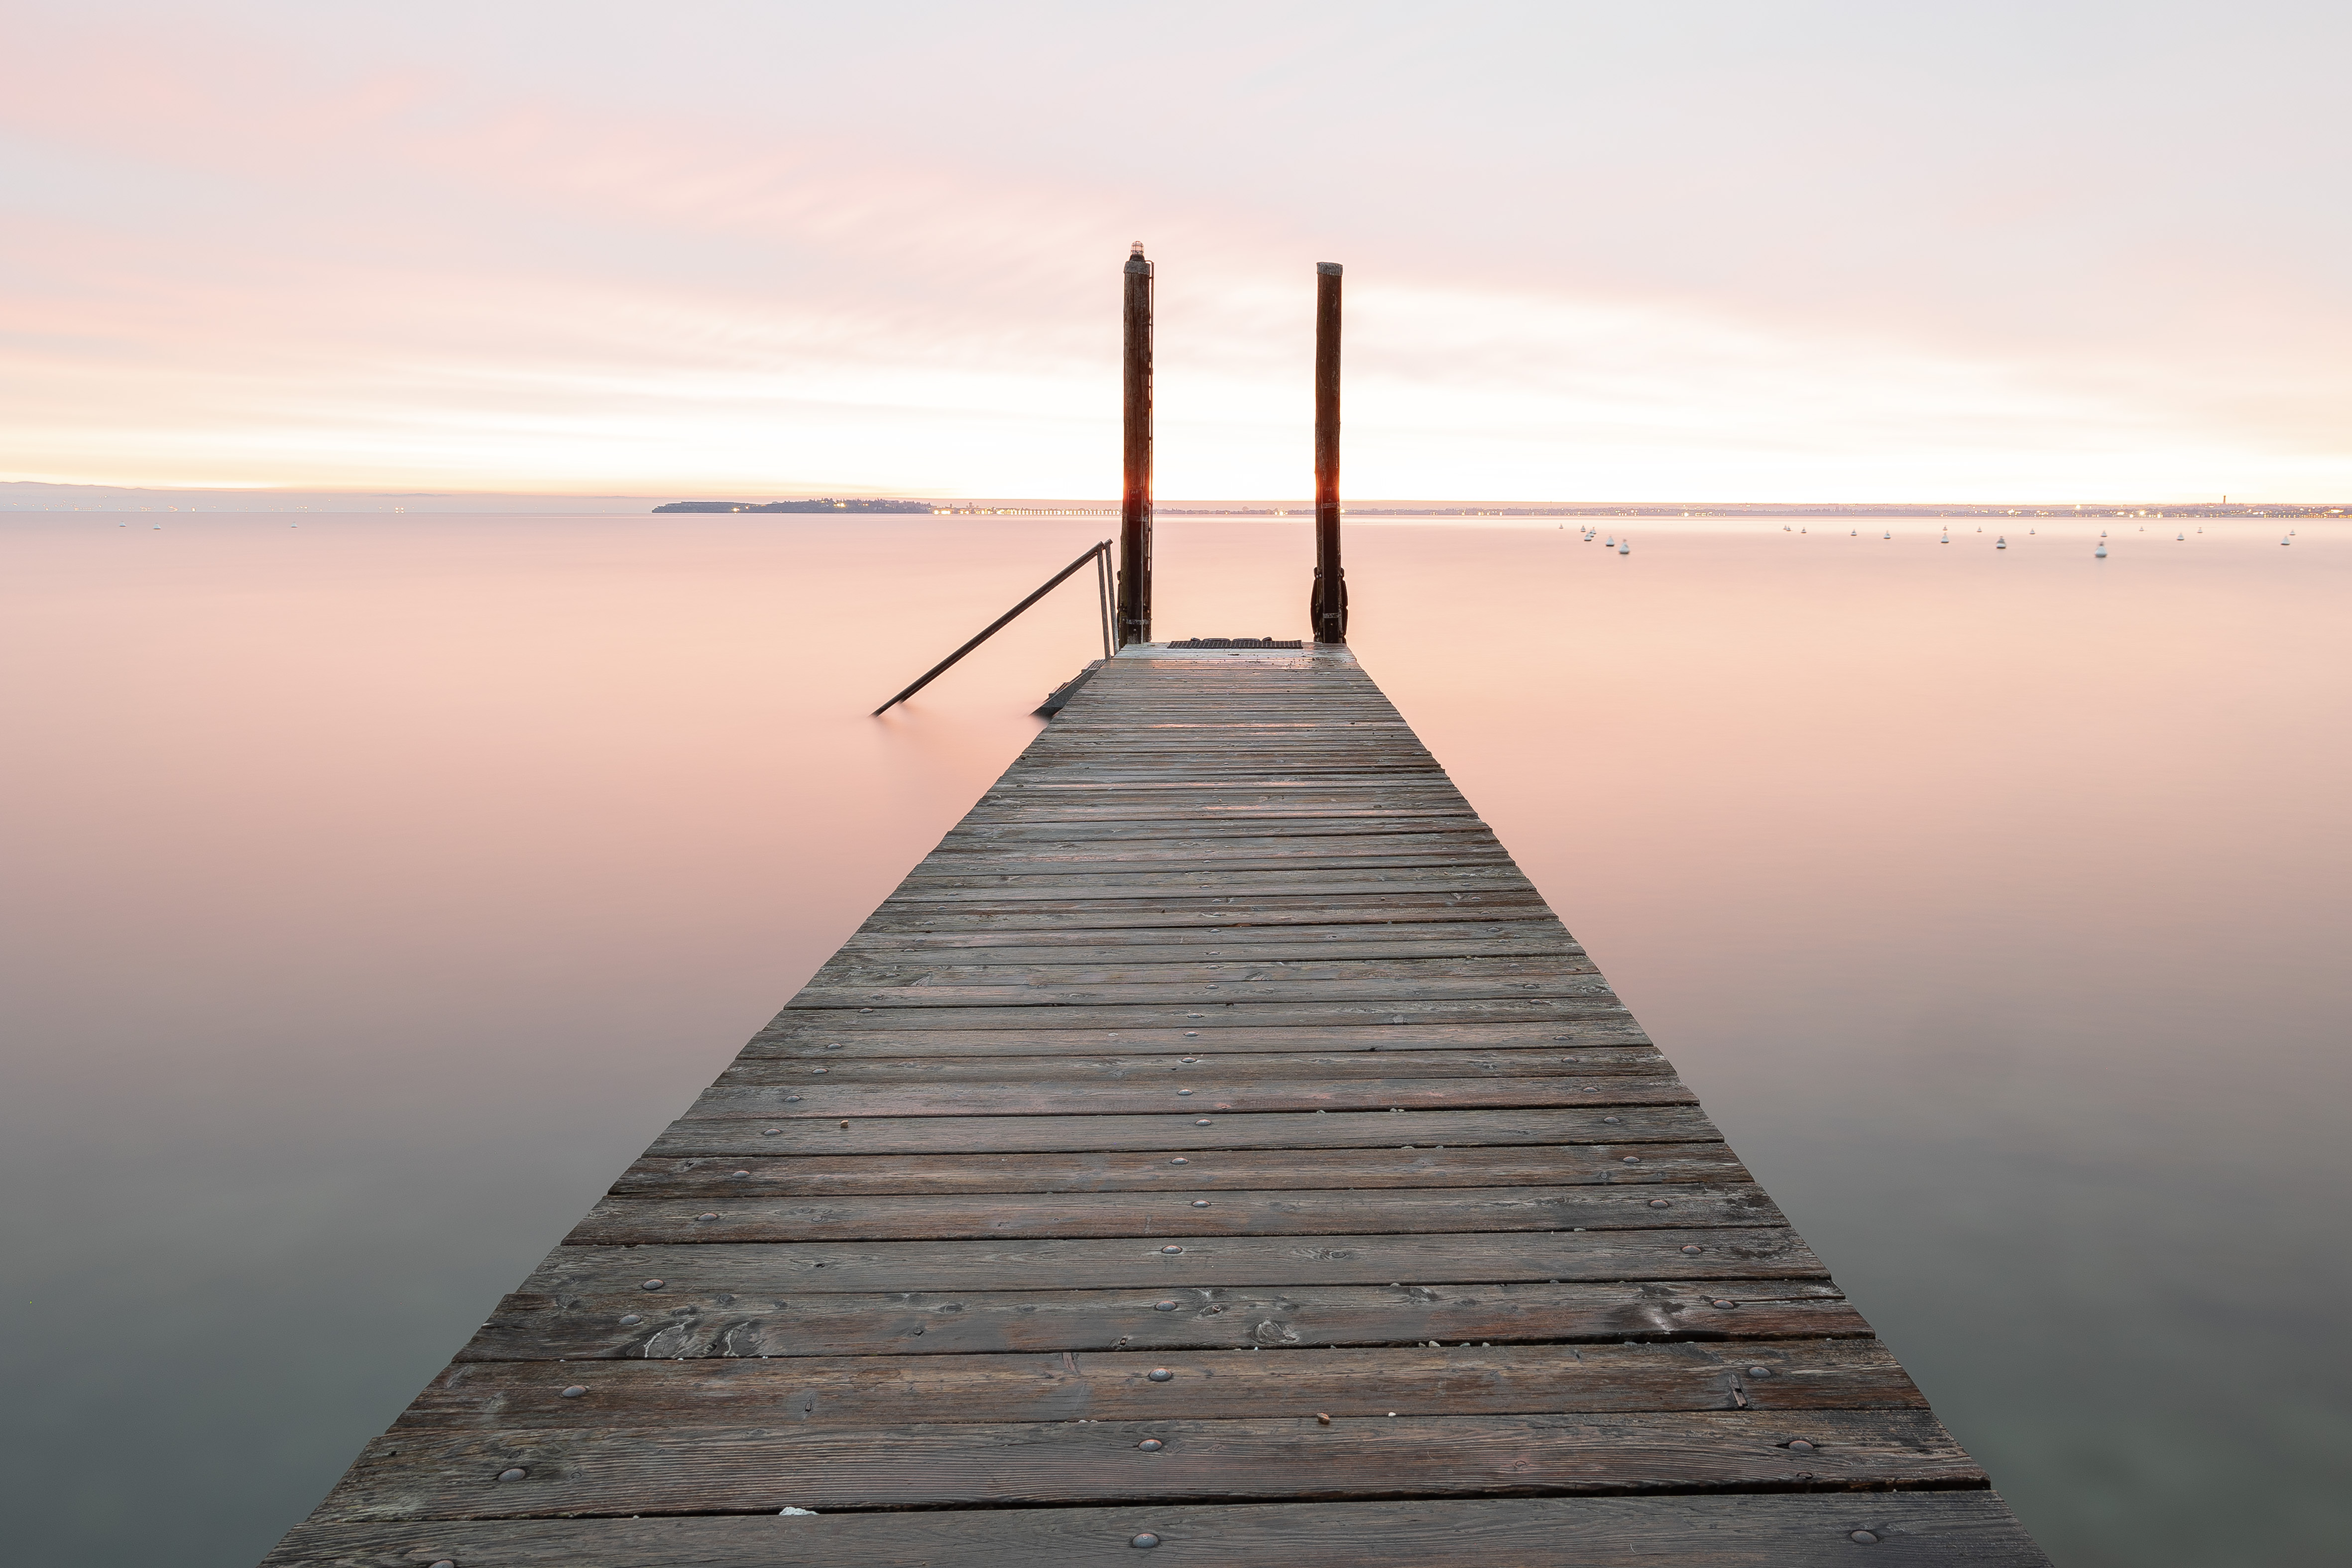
column 1328, row 606
column 1135, row 496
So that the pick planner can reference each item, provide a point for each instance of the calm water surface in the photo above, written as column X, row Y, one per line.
column 378, row 887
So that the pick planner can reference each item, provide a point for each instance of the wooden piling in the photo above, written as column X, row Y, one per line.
column 1328, row 606
column 1135, row 495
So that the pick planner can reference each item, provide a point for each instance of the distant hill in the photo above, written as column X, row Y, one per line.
column 826, row 504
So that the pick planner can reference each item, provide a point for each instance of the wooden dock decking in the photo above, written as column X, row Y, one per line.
column 1216, row 1150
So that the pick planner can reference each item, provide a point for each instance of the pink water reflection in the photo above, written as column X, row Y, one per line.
column 379, row 886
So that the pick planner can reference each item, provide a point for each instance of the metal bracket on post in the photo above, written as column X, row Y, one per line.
column 1134, row 613
column 1327, row 605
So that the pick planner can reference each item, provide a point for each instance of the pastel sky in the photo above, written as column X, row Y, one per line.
column 1693, row 250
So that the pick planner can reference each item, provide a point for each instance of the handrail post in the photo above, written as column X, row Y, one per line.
column 1102, row 586
column 1094, row 552
column 1134, row 615
column 1328, row 606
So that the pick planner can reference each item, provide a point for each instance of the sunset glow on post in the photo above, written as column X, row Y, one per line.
column 1708, row 251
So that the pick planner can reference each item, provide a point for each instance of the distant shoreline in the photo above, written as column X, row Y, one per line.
column 1596, row 509
column 24, row 496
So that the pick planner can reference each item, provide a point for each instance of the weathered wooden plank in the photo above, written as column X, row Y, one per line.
column 734, row 1135
column 838, row 1067
column 1231, row 852
column 1970, row 1529
column 880, row 1391
column 696, row 1180
column 1109, row 832
column 1204, row 1095
column 795, row 1035
column 1220, row 1014
column 1071, row 886
column 782, row 1268
column 1034, row 791
column 639, row 1221
column 1370, row 910
column 615, row 1319
column 1196, row 972
column 1570, row 987
column 596, row 1470
column 1463, row 942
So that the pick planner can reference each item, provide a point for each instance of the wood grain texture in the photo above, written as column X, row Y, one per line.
column 1183, row 1132
column 822, row 1065
column 607, row 1318
column 1223, row 1169
column 1911, row 1530
column 867, row 1391
column 810, row 1033
column 1380, row 1211
column 1760, row 1253
column 1218, row 1084
column 1198, row 1094
column 591, row 1469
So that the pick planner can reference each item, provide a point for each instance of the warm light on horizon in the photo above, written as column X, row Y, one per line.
column 1705, row 254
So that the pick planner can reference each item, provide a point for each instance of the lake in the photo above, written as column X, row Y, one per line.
column 379, row 886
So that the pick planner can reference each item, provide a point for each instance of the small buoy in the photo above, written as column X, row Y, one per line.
column 2285, row 541
column 1888, row 535
column 1610, row 543
column 2100, row 554
column 1625, row 547
column 2181, row 537
column 2000, row 543
column 1946, row 538
column 1853, row 534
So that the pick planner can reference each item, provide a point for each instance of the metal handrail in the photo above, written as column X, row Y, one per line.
column 1100, row 552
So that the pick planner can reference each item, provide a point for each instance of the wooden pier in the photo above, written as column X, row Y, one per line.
column 1214, row 1153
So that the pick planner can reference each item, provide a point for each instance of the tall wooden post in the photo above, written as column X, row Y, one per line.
column 1134, row 615
column 1327, row 607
